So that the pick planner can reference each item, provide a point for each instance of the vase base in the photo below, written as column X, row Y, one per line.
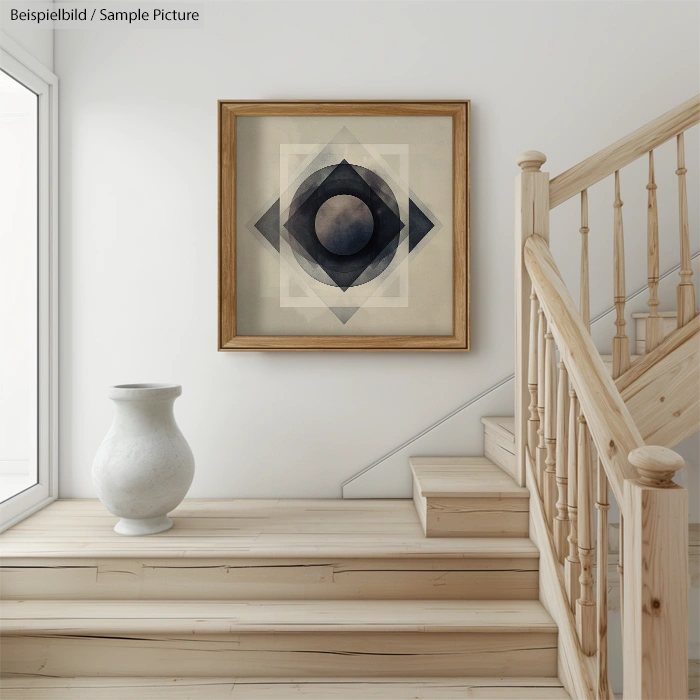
column 143, row 526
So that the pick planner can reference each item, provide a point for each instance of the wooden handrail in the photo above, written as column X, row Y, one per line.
column 624, row 151
column 609, row 421
column 559, row 413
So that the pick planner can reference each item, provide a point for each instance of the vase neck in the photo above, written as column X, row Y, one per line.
column 145, row 415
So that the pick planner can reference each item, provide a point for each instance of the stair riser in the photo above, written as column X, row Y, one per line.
column 472, row 517
column 499, row 450
column 256, row 579
column 288, row 655
column 670, row 323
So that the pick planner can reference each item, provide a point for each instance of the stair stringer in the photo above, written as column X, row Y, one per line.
column 662, row 389
column 576, row 670
column 390, row 476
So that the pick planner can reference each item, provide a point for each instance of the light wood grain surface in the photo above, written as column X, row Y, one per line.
column 238, row 617
column 297, row 654
column 575, row 668
column 464, row 477
column 499, row 443
column 624, row 151
column 613, row 551
column 531, row 216
column 662, row 389
column 468, row 497
column 281, row 689
column 249, row 529
column 302, row 578
column 613, row 430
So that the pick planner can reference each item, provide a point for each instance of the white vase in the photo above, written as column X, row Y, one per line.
column 144, row 466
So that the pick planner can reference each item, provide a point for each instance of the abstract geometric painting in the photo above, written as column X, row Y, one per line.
column 333, row 228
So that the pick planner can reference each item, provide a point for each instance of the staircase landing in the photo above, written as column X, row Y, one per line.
column 255, row 529
column 271, row 598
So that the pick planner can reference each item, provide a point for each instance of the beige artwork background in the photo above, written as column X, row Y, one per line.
column 430, row 289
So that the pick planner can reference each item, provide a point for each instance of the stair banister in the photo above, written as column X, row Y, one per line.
column 531, row 215
column 559, row 413
column 608, row 419
column 625, row 151
column 654, row 508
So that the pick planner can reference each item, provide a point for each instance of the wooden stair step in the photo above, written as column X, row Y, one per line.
column 468, row 497
column 267, row 549
column 116, row 688
column 499, row 441
column 278, row 638
column 669, row 324
column 608, row 360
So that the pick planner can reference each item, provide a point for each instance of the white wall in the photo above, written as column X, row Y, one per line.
column 138, row 208
column 37, row 41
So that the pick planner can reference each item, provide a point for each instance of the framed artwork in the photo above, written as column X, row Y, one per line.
column 344, row 225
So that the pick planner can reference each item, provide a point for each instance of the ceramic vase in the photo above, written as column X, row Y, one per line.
column 144, row 466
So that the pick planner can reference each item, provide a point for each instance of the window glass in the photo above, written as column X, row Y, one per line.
column 18, row 286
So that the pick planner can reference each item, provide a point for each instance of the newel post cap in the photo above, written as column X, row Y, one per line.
column 656, row 465
column 531, row 161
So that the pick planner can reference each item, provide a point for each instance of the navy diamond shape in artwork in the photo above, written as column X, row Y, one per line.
column 343, row 180
column 342, row 225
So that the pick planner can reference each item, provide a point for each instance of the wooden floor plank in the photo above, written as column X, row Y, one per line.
column 280, row 689
column 249, row 529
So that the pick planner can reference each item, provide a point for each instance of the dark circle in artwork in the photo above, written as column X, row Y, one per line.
column 344, row 224
column 352, row 241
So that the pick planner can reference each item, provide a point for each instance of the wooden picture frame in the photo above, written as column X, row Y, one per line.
column 230, row 337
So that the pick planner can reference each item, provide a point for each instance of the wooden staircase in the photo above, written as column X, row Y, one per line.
column 279, row 599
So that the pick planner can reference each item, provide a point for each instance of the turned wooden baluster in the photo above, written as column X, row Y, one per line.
column 603, row 498
column 621, row 573
column 585, row 300
column 603, row 506
column 541, row 449
column 585, row 606
column 561, row 522
column 550, row 429
column 621, row 343
column 533, row 422
column 572, row 565
column 686, row 290
column 654, row 322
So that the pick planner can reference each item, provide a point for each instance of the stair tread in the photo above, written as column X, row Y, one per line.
column 663, row 314
column 248, row 529
column 607, row 359
column 464, row 477
column 504, row 425
column 231, row 617
column 120, row 688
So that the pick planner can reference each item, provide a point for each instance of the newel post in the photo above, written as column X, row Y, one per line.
column 531, row 216
column 656, row 578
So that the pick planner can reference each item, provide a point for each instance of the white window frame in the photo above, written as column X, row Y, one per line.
column 22, row 66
